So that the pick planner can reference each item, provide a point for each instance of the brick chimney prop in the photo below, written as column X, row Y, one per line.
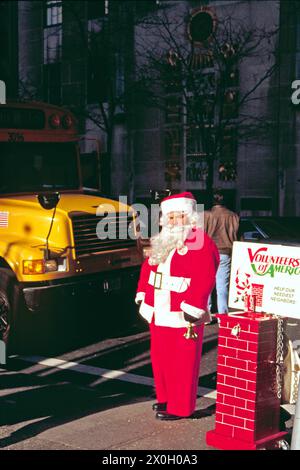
column 247, row 405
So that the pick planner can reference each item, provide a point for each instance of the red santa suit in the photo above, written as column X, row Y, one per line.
column 181, row 284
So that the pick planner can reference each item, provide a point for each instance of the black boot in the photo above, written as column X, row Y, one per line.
column 164, row 416
column 159, row 407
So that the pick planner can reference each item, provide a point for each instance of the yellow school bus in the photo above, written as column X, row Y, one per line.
column 53, row 255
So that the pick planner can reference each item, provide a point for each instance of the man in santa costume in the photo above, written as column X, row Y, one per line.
column 173, row 290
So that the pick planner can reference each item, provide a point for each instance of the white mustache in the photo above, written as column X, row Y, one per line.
column 177, row 228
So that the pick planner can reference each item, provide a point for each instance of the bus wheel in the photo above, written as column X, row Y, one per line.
column 7, row 283
column 4, row 317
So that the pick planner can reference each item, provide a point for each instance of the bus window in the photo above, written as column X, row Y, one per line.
column 35, row 166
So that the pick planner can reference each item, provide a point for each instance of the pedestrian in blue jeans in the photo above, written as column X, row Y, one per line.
column 222, row 226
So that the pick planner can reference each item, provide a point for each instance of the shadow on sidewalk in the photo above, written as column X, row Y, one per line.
column 54, row 405
column 203, row 413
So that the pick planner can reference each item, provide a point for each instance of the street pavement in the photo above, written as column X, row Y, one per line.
column 125, row 427
column 46, row 412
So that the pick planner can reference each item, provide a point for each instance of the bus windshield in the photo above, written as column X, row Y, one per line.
column 36, row 166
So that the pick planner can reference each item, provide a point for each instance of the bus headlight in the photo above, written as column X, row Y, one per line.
column 42, row 266
column 51, row 265
column 34, row 266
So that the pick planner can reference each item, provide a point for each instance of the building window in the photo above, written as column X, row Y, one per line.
column 194, row 141
column 196, row 168
column 98, row 78
column 52, row 44
column 202, row 25
column 171, row 76
column 230, row 106
column 53, row 31
column 172, row 171
column 173, row 109
column 120, row 74
column 145, row 7
column 52, row 83
column 97, row 9
column 229, row 143
column 53, row 12
column 227, row 164
column 227, row 171
column 196, row 161
column 173, row 150
column 200, row 110
column 173, row 143
column 297, row 52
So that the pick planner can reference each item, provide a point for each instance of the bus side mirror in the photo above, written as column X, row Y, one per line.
column 48, row 200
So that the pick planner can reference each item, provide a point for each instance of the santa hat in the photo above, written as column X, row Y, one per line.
column 183, row 202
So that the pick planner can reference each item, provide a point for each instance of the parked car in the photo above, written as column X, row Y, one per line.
column 272, row 229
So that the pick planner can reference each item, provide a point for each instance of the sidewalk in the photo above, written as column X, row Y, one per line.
column 129, row 427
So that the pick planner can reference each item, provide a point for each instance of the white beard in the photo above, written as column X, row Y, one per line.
column 169, row 238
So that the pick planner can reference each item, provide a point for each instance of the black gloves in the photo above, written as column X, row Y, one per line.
column 189, row 318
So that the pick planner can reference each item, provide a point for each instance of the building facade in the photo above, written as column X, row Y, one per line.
column 9, row 47
column 179, row 95
column 257, row 162
column 184, row 154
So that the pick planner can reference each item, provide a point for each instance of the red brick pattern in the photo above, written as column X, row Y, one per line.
column 247, row 407
column 257, row 291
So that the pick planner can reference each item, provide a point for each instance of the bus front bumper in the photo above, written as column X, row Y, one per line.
column 83, row 291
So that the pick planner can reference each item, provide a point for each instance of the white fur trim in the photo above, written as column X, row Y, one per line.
column 140, row 296
column 170, row 319
column 195, row 312
column 146, row 311
column 178, row 204
column 183, row 251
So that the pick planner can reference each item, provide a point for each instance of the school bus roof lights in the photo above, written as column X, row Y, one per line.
column 67, row 121
column 54, row 121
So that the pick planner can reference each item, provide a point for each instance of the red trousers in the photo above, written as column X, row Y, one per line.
column 175, row 364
